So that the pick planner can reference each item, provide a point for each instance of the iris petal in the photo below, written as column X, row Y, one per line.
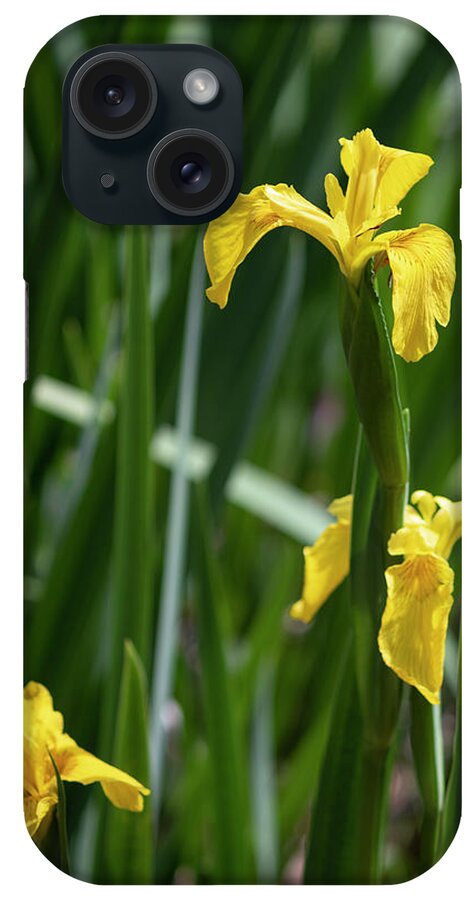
column 326, row 563
column 415, row 620
column 230, row 238
column 423, row 267
column 399, row 171
column 76, row 764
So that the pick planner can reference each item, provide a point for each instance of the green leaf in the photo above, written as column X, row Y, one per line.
column 452, row 807
column 232, row 830
column 330, row 856
column 428, row 755
column 128, row 837
column 131, row 601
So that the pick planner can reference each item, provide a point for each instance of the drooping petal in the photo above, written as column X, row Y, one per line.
column 230, row 238
column 326, row 563
column 76, row 764
column 399, row 171
column 415, row 620
column 422, row 261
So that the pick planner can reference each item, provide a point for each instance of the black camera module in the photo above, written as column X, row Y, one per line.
column 146, row 141
column 113, row 95
column 190, row 171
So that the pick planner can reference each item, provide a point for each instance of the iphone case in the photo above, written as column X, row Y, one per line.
column 203, row 703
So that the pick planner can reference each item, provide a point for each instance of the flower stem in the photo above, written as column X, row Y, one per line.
column 380, row 492
column 379, row 689
column 428, row 755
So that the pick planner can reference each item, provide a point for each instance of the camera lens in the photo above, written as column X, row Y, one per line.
column 113, row 95
column 190, row 172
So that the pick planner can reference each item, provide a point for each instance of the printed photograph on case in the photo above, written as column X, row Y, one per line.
column 243, row 478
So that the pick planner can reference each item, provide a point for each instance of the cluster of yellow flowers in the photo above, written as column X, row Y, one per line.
column 415, row 620
column 422, row 263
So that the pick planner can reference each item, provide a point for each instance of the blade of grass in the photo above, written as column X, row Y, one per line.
column 227, row 753
column 305, row 767
column 132, row 578
column 332, row 834
column 128, row 840
column 129, row 602
column 452, row 808
column 175, row 538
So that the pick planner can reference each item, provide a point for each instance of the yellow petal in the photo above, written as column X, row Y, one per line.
column 326, row 563
column 412, row 516
column 334, row 195
column 376, row 220
column 42, row 725
column 399, row 170
column 360, row 159
column 426, row 504
column 38, row 813
column 413, row 540
column 230, row 238
column 422, row 261
column 76, row 764
column 415, row 620
column 341, row 508
column 441, row 515
column 447, row 525
column 41, row 722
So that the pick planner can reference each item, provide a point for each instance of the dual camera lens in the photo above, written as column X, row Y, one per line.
column 114, row 96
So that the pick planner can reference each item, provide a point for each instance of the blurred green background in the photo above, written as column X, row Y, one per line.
column 254, row 693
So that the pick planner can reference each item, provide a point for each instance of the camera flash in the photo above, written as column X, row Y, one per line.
column 201, row 86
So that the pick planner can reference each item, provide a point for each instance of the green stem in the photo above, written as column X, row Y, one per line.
column 428, row 756
column 380, row 492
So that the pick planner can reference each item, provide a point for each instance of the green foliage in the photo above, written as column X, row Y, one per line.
column 128, row 839
column 275, row 405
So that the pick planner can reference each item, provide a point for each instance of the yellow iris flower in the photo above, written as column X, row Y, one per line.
column 419, row 589
column 44, row 735
column 421, row 259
